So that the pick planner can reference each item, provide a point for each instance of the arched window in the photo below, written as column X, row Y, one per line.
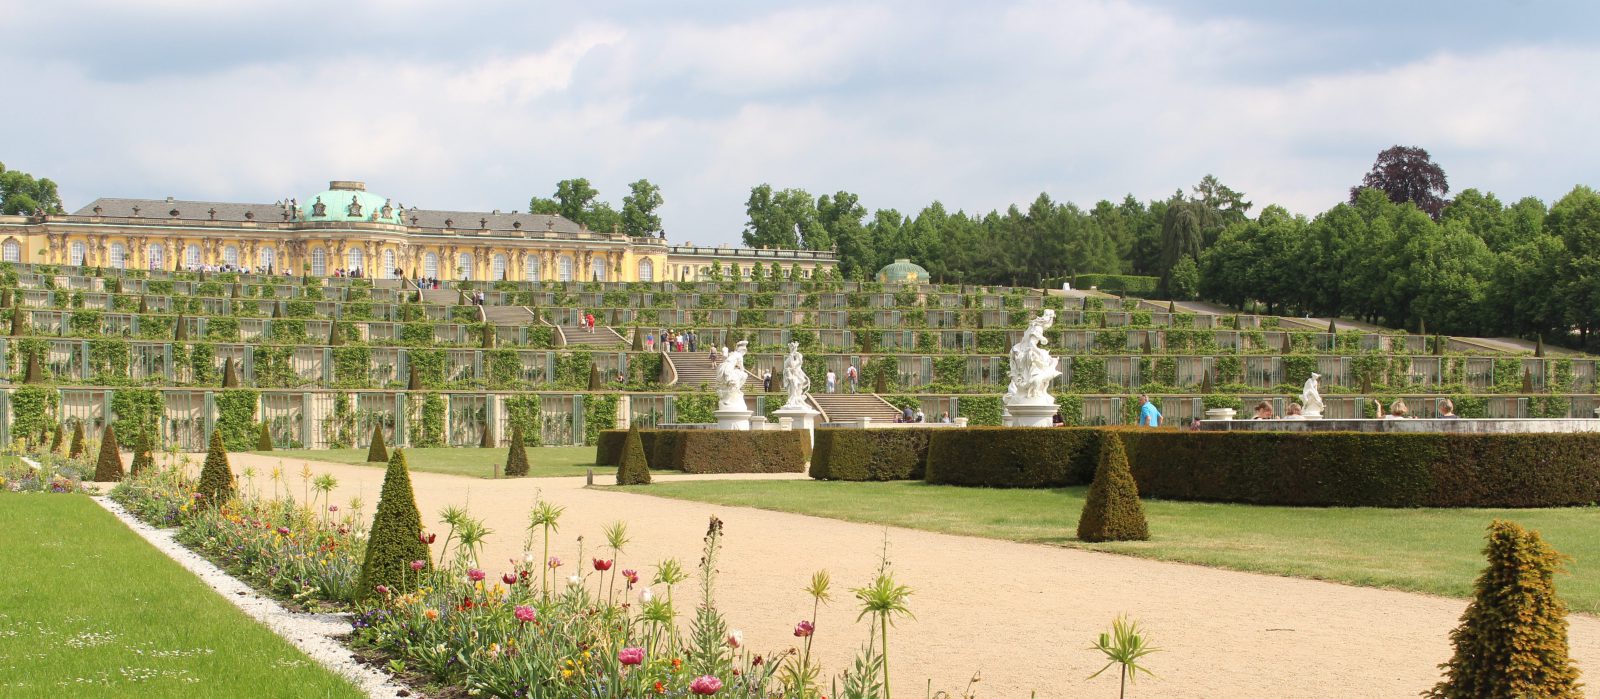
column 599, row 269
column 354, row 259
column 388, row 264
column 497, row 268
column 156, row 253
column 319, row 262
column 564, row 268
column 464, row 266
column 118, row 256
column 230, row 256
column 191, row 256
column 430, row 266
column 77, row 254
column 530, row 267
column 267, row 259
column 647, row 271
column 11, row 251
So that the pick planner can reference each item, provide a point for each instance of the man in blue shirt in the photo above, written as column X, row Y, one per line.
column 1148, row 415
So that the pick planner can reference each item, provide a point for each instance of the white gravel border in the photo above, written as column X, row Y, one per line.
column 316, row 635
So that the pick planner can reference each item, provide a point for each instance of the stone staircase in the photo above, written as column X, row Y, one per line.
column 846, row 407
column 441, row 297
column 509, row 315
column 575, row 335
column 694, row 370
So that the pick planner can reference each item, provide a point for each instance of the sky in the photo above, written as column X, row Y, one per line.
column 479, row 106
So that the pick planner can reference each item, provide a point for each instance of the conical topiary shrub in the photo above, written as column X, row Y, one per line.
column 230, row 376
column 216, row 476
column 488, row 336
column 144, row 305
column 35, row 372
column 1333, row 328
column 594, row 377
column 143, row 454
column 1512, row 641
column 1113, row 511
column 77, row 441
column 517, row 455
column 377, row 451
column 57, row 438
column 633, row 470
column 181, row 332
column 19, row 321
column 109, row 467
column 880, row 383
column 487, row 440
column 414, row 382
column 638, row 339
column 264, row 438
column 1538, row 348
column 395, row 540
column 335, row 335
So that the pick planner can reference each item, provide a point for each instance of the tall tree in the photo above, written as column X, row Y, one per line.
column 840, row 215
column 1407, row 174
column 639, row 217
column 575, row 197
column 1575, row 219
column 20, row 193
column 784, row 219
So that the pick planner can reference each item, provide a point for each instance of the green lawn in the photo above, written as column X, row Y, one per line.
column 89, row 609
column 1433, row 550
column 465, row 461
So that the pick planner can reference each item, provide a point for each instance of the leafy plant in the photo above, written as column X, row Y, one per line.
column 1124, row 647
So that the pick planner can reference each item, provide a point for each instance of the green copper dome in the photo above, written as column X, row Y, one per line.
column 903, row 271
column 346, row 201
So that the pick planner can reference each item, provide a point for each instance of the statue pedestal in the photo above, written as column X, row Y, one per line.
column 733, row 419
column 1312, row 415
column 1033, row 415
column 800, row 418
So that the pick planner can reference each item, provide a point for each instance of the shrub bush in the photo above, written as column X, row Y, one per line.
column 395, row 540
column 1512, row 641
column 377, row 451
column 608, row 447
column 264, row 438
column 143, row 454
column 1112, row 511
column 735, row 451
column 633, row 470
column 109, row 466
column 871, row 455
column 517, row 455
column 1012, row 457
column 216, row 476
column 77, row 440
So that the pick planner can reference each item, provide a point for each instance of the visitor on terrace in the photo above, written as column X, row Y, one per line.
column 852, row 377
column 829, row 381
column 1294, row 412
column 1264, row 411
column 1447, row 410
column 1397, row 411
column 1149, row 416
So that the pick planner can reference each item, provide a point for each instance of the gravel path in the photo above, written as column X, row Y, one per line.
column 1022, row 615
column 314, row 634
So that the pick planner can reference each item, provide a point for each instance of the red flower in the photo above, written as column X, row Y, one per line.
column 632, row 576
column 526, row 614
column 418, row 565
column 509, row 578
column 660, row 688
column 382, row 589
column 705, row 685
column 427, row 538
column 475, row 575
column 602, row 564
column 283, row 530
column 631, row 656
column 803, row 629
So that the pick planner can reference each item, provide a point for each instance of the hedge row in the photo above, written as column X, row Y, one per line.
column 887, row 454
column 712, row 451
column 1266, row 468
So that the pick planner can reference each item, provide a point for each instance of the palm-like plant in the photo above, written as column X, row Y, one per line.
column 884, row 599
column 546, row 516
column 616, row 539
column 1124, row 647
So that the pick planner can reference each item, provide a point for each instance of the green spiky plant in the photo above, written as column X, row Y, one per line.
column 109, row 466
column 216, row 476
column 377, row 451
column 1124, row 647
column 633, row 469
column 1112, row 511
column 517, row 455
column 395, row 539
column 264, row 438
column 1512, row 641
column 77, row 440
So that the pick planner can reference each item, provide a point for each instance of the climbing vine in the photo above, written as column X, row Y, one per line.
column 527, row 410
column 138, row 412
column 599, row 414
column 236, row 417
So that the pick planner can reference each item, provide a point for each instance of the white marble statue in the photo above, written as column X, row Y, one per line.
column 1032, row 367
column 1311, row 404
column 730, row 378
column 794, row 377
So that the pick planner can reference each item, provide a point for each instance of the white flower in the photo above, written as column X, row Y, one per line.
column 527, row 556
column 735, row 638
column 574, row 580
column 646, row 595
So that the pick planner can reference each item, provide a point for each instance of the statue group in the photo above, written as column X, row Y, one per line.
column 1032, row 367
column 794, row 377
column 731, row 376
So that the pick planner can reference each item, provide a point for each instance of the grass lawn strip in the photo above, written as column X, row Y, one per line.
column 90, row 610
column 1436, row 551
column 316, row 635
column 460, row 461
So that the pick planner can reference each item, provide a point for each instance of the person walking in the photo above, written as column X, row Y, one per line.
column 766, row 382
column 852, row 377
column 1148, row 415
column 829, row 381
column 691, row 340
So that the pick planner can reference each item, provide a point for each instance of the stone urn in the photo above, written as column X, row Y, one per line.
column 1220, row 414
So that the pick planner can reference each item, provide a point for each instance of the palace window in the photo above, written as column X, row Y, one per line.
column 11, row 251
column 647, row 271
column 530, row 268
column 230, row 256
column 319, row 262
column 191, row 256
column 78, row 251
column 354, row 259
column 497, row 268
column 599, row 270
column 388, row 264
column 157, row 255
column 564, row 268
column 118, row 256
column 430, row 266
column 464, row 266
column 267, row 259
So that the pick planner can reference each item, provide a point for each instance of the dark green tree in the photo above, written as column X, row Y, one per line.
column 633, row 470
column 264, row 438
column 1113, row 511
column 517, row 455
column 395, row 539
column 143, row 454
column 21, row 194
column 216, row 475
column 377, row 451
column 639, row 217
column 77, row 440
column 109, row 466
column 785, row 219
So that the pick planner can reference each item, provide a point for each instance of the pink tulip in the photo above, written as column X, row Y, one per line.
column 526, row 614
column 418, row 565
column 427, row 538
column 554, row 562
column 382, row 589
column 631, row 656
column 705, row 685
column 803, row 629
column 632, row 576
column 508, row 578
column 475, row 575
column 333, row 508
column 602, row 564
column 283, row 530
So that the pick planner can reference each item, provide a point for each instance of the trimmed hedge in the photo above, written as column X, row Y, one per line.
column 1013, row 457
column 887, row 454
column 739, row 451
column 608, row 447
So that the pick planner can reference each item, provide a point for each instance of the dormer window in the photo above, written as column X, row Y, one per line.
column 354, row 209
column 318, row 209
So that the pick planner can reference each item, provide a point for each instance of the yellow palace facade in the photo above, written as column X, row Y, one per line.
column 347, row 229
